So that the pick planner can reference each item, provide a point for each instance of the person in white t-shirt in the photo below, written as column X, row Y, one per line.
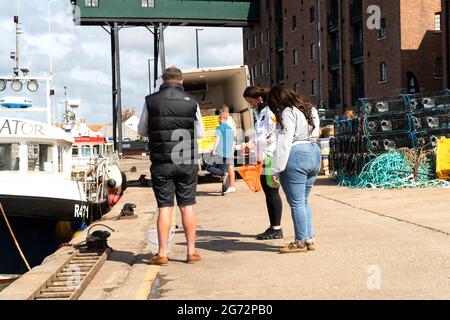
column 263, row 141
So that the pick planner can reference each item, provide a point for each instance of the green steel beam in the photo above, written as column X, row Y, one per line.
column 233, row 13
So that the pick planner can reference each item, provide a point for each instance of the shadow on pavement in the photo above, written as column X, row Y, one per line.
column 142, row 182
column 129, row 257
column 217, row 241
column 325, row 181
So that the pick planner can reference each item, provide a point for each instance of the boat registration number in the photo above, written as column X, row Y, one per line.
column 81, row 211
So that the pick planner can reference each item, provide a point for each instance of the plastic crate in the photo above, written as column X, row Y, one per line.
column 387, row 123
column 372, row 106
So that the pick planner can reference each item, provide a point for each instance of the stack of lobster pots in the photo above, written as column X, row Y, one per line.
column 383, row 124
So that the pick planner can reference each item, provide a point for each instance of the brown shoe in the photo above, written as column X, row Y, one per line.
column 193, row 258
column 156, row 260
column 311, row 244
column 295, row 247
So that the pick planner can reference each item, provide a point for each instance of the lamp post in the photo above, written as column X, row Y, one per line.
column 196, row 41
column 150, row 76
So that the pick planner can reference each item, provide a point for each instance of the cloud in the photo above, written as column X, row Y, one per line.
column 82, row 61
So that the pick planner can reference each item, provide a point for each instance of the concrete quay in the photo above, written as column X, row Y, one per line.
column 371, row 244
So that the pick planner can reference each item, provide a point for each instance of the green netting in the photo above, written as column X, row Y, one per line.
column 393, row 170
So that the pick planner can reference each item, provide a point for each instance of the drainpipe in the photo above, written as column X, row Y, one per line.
column 319, row 52
column 341, row 65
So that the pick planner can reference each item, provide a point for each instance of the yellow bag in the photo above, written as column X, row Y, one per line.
column 443, row 158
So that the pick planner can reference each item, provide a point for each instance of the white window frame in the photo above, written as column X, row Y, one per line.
column 91, row 3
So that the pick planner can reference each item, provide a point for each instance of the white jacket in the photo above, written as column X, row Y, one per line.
column 264, row 133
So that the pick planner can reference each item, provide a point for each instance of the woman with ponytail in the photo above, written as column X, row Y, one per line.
column 263, row 140
column 296, row 159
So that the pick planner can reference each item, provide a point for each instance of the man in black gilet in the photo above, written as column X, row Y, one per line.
column 172, row 121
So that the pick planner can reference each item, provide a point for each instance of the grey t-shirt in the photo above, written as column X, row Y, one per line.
column 297, row 131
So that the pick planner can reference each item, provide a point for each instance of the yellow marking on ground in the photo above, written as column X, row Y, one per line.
column 147, row 282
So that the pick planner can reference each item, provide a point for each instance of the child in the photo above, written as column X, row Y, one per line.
column 223, row 147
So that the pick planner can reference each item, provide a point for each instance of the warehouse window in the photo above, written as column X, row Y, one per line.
column 248, row 44
column 261, row 38
column 313, row 51
column 91, row 3
column 148, row 3
column 261, row 68
column 313, row 87
column 383, row 72
column 296, row 88
column 254, row 42
column 294, row 57
column 438, row 68
column 383, row 29
column 294, row 23
column 437, row 21
column 268, row 67
column 312, row 15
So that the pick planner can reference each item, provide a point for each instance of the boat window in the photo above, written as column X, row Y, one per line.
column 97, row 150
column 40, row 157
column 9, row 157
column 85, row 151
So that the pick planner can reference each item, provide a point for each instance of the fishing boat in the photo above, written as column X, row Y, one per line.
column 44, row 199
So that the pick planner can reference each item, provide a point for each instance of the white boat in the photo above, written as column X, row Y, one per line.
column 42, row 194
column 91, row 151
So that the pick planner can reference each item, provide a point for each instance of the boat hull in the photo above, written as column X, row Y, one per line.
column 52, row 208
column 38, row 238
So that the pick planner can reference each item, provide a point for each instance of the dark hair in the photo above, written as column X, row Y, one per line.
column 255, row 92
column 282, row 97
column 172, row 73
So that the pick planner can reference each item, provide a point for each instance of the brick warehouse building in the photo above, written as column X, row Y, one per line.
column 352, row 61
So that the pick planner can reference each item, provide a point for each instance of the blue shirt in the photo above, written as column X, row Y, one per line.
column 225, row 134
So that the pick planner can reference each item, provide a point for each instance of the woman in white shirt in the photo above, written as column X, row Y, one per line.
column 263, row 140
column 296, row 159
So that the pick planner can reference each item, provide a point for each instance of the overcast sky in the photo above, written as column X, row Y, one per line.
column 81, row 55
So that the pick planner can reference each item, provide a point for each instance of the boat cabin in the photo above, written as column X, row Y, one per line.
column 28, row 146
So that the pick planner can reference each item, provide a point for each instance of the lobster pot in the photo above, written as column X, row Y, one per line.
column 346, row 127
column 438, row 118
column 387, row 142
column 386, row 123
column 383, row 105
column 428, row 101
column 429, row 138
column 345, row 144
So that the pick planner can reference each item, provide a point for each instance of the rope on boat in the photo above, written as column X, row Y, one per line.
column 14, row 238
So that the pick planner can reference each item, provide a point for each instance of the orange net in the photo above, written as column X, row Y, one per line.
column 251, row 175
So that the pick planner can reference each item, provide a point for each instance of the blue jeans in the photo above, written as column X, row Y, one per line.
column 297, row 180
